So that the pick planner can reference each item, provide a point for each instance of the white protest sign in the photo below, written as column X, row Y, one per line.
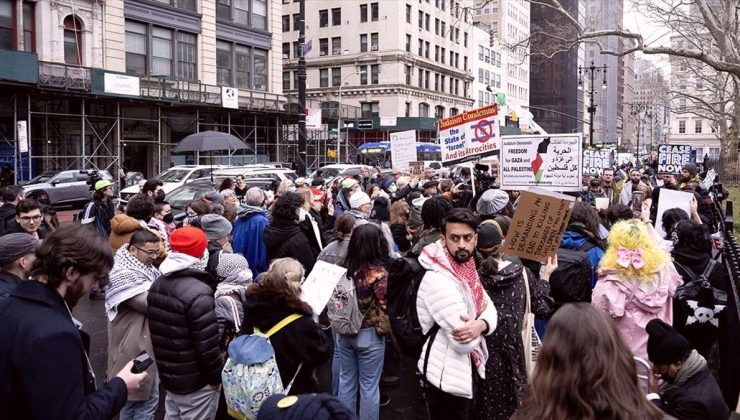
column 596, row 160
column 671, row 158
column 709, row 179
column 549, row 161
column 316, row 290
column 229, row 97
column 601, row 203
column 470, row 135
column 22, row 136
column 313, row 118
column 403, row 149
column 670, row 199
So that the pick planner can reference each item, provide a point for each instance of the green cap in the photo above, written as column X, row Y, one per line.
column 102, row 184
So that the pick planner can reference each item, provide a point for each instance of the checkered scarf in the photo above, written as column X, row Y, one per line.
column 128, row 278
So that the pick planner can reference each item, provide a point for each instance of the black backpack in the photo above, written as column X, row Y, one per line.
column 571, row 281
column 404, row 278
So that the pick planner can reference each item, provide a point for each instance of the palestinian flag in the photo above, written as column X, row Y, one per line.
column 538, row 160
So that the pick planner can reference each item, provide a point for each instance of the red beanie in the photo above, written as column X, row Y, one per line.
column 189, row 240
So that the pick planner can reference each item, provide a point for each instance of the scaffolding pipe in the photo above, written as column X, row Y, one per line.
column 118, row 146
column 159, row 139
column 16, row 149
column 84, row 148
column 28, row 125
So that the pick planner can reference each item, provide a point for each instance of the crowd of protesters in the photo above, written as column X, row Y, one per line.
column 183, row 291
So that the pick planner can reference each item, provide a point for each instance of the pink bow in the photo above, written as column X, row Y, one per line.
column 625, row 257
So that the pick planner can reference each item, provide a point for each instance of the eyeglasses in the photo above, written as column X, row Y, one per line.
column 154, row 253
column 28, row 219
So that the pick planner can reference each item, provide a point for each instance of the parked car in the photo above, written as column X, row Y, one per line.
column 63, row 189
column 182, row 195
column 254, row 171
column 336, row 169
column 172, row 178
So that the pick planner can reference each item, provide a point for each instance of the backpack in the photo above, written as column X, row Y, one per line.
column 251, row 374
column 571, row 281
column 404, row 278
column 343, row 311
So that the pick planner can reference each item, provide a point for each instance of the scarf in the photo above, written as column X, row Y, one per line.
column 691, row 367
column 233, row 274
column 128, row 278
column 466, row 274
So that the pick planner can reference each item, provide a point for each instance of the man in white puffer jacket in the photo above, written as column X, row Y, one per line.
column 452, row 297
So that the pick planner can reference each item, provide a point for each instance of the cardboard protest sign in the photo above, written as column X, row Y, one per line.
column 417, row 167
column 538, row 224
column 671, row 158
column 318, row 287
column 403, row 149
column 596, row 160
column 549, row 161
column 470, row 135
column 669, row 199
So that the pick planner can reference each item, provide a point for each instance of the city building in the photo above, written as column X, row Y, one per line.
column 627, row 95
column 114, row 85
column 650, row 109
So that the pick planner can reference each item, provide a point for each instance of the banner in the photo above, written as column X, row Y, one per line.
column 596, row 160
column 470, row 135
column 549, row 161
column 538, row 224
column 22, row 137
column 403, row 149
column 671, row 158
column 319, row 285
column 313, row 118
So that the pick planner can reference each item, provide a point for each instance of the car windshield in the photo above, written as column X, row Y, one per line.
column 173, row 175
column 180, row 197
column 40, row 179
column 328, row 173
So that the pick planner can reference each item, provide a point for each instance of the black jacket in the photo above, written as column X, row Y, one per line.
column 698, row 399
column 8, row 281
column 182, row 321
column 13, row 227
column 288, row 238
column 301, row 341
column 45, row 372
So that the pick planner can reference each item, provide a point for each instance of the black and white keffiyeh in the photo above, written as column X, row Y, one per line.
column 128, row 278
column 233, row 273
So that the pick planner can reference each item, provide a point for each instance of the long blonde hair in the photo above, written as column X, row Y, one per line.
column 632, row 234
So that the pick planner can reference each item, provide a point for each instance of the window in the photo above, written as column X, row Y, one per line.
column 454, row 111
column 223, row 9
column 180, row 4
column 241, row 66
column 323, row 18
column 7, row 25
column 697, row 126
column 465, row 39
column 336, row 45
column 186, row 56
column 324, row 46
column 258, row 18
column 363, row 42
column 699, row 153
column 161, row 52
column 421, row 47
column 336, row 76
column 436, row 26
column 408, row 75
column 374, row 12
column 407, row 111
column 323, row 77
column 408, row 13
column 421, row 19
column 296, row 22
column 427, row 19
column 436, row 81
column 714, row 153
column 370, row 109
column 136, row 48
column 336, row 17
column 286, row 50
column 29, row 26
column 363, row 13
column 436, row 53
column 426, row 49
column 363, row 75
column 72, row 40
column 286, row 80
column 296, row 49
column 423, row 110
column 286, row 23
column 439, row 111
column 408, row 43
column 374, row 41
column 681, row 126
column 375, row 74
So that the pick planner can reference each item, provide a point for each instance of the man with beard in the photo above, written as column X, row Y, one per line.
column 625, row 197
column 454, row 311
column 43, row 357
column 689, row 172
column 154, row 189
column 611, row 188
column 688, row 390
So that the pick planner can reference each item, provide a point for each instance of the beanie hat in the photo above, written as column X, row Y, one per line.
column 307, row 406
column 102, row 184
column 358, row 199
column 348, row 183
column 380, row 210
column 415, row 218
column 215, row 226
column 692, row 168
column 15, row 245
column 665, row 345
column 489, row 236
column 491, row 202
column 189, row 240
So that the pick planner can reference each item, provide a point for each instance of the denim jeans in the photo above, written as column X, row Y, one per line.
column 360, row 363
column 142, row 410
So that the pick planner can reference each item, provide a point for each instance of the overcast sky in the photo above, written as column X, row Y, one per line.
column 652, row 33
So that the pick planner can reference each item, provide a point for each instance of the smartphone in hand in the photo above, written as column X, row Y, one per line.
column 142, row 362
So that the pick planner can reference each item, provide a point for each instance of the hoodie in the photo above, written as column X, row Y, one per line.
column 288, row 238
column 247, row 238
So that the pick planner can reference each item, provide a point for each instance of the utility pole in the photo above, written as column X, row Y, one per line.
column 591, row 106
column 302, row 152
column 637, row 109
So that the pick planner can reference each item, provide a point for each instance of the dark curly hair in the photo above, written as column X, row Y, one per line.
column 140, row 207
column 433, row 212
column 286, row 207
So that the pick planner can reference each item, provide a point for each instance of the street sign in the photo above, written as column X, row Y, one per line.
column 365, row 124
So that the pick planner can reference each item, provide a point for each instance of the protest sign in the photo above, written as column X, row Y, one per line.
column 313, row 118
column 709, row 179
column 318, row 287
column 403, row 149
column 470, row 135
column 669, row 199
column 601, row 203
column 596, row 160
column 538, row 224
column 671, row 158
column 550, row 161
column 417, row 167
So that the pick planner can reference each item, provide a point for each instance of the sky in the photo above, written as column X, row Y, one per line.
column 634, row 21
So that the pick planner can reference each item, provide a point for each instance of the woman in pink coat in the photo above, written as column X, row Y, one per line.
column 637, row 282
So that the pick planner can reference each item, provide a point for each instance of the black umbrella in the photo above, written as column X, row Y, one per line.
column 208, row 141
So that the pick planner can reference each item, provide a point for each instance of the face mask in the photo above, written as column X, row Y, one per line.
column 168, row 218
column 291, row 189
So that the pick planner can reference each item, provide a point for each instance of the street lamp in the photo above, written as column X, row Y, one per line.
column 339, row 112
column 637, row 109
column 591, row 107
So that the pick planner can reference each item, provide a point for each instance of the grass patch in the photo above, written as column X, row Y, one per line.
column 735, row 198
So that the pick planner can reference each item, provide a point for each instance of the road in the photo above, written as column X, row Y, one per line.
column 406, row 400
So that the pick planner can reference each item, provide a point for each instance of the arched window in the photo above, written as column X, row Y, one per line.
column 454, row 111
column 439, row 111
column 72, row 40
column 423, row 110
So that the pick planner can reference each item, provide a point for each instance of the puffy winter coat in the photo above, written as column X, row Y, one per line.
column 122, row 228
column 440, row 300
column 247, row 238
column 287, row 238
column 184, row 330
